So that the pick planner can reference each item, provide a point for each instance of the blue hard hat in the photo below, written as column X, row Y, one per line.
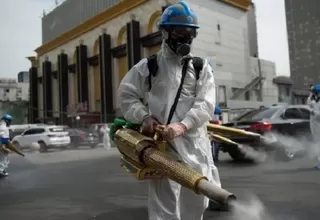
column 217, row 110
column 7, row 117
column 315, row 88
column 179, row 14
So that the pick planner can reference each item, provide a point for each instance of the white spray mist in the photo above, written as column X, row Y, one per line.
column 252, row 154
column 299, row 144
column 250, row 208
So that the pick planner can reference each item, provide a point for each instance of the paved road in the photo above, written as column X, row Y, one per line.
column 88, row 184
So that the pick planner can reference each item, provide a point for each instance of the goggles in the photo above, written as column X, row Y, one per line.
column 181, row 32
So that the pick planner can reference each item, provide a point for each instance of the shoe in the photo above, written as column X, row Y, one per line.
column 317, row 166
column 4, row 173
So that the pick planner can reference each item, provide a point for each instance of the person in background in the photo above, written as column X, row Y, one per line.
column 216, row 119
column 106, row 139
column 100, row 132
column 5, row 122
column 313, row 102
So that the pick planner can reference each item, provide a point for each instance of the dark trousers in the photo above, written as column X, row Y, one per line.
column 215, row 150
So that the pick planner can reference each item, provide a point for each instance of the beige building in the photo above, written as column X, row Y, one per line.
column 78, row 72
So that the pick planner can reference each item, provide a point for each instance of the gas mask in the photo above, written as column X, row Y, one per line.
column 179, row 39
column 8, row 122
column 315, row 97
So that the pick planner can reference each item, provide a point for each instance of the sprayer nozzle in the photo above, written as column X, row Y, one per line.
column 226, row 206
column 230, row 202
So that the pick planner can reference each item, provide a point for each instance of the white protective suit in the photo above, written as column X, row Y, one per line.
column 315, row 122
column 167, row 199
column 314, row 118
column 4, row 134
column 106, row 138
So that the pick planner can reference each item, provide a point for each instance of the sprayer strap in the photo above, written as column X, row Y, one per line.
column 175, row 103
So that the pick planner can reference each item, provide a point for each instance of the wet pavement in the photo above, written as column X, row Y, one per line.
column 89, row 184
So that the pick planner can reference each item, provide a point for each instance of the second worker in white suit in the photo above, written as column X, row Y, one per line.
column 5, row 122
column 186, row 129
column 314, row 103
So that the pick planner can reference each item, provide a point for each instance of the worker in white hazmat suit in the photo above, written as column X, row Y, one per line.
column 106, row 138
column 186, row 132
column 5, row 122
column 314, row 103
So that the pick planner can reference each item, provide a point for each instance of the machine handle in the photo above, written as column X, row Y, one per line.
column 158, row 134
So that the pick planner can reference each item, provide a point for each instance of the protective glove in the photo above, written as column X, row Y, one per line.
column 173, row 131
column 4, row 149
column 148, row 126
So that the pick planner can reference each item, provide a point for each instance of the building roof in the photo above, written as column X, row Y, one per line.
column 106, row 15
column 283, row 80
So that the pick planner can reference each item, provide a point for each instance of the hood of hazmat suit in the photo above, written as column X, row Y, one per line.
column 167, row 200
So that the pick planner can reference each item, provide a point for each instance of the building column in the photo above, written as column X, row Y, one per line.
column 133, row 43
column 33, row 91
column 105, row 61
column 82, row 74
column 63, row 80
column 47, row 89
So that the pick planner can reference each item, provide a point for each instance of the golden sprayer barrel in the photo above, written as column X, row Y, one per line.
column 13, row 148
column 143, row 150
column 227, row 131
column 221, row 139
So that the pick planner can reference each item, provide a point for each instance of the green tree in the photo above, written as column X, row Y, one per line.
column 18, row 110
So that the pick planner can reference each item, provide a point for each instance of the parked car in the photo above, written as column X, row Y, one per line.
column 81, row 138
column 290, row 120
column 96, row 127
column 15, row 132
column 17, row 129
column 47, row 136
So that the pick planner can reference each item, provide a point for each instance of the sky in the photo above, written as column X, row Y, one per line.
column 20, row 33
